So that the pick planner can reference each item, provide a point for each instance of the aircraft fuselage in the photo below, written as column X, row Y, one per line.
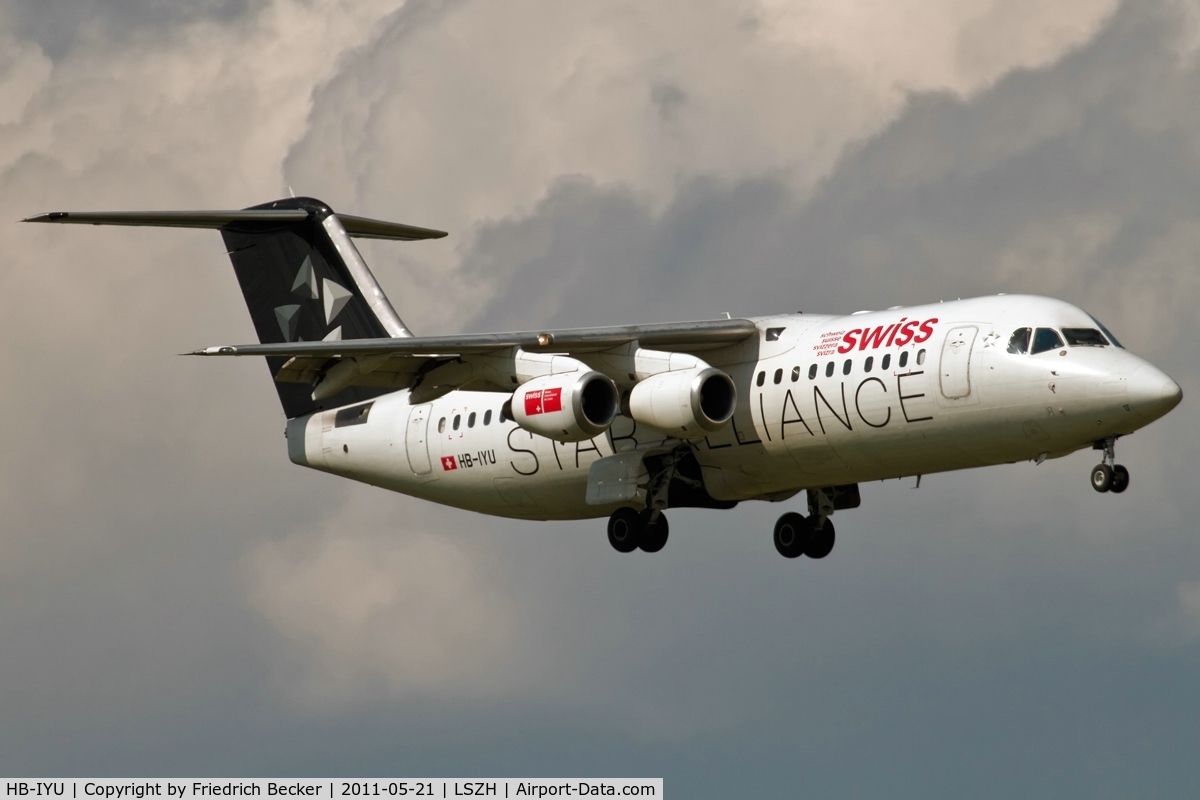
column 822, row 401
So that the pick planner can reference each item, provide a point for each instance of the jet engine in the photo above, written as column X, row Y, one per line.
column 685, row 403
column 567, row 407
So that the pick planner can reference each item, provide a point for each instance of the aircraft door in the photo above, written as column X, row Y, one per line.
column 416, row 440
column 955, row 370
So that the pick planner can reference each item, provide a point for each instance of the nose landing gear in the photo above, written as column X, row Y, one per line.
column 1109, row 476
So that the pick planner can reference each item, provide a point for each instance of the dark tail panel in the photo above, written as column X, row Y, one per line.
column 305, row 281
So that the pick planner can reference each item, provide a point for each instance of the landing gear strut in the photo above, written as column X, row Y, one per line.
column 630, row 529
column 1109, row 476
column 812, row 536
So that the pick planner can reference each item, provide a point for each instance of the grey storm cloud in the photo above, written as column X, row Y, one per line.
column 56, row 27
column 1053, row 181
column 176, row 598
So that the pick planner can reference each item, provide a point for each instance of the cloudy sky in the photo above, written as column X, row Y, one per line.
column 176, row 598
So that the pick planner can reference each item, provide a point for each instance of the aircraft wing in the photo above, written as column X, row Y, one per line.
column 401, row 363
column 684, row 336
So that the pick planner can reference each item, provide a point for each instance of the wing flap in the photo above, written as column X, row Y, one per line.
column 394, row 373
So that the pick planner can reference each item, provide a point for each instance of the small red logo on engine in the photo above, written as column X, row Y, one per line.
column 543, row 401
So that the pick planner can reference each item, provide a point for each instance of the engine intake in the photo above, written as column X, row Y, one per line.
column 687, row 403
column 568, row 407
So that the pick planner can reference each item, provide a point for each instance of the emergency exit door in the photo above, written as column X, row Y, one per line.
column 416, row 442
column 956, row 362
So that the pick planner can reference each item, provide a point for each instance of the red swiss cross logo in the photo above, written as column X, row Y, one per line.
column 448, row 463
column 543, row 401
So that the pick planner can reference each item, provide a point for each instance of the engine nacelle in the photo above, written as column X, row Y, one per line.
column 567, row 407
column 686, row 403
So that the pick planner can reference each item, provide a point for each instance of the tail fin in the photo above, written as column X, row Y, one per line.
column 301, row 275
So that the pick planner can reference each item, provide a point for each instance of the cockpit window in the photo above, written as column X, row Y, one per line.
column 1019, row 343
column 1107, row 332
column 1084, row 337
column 1046, row 339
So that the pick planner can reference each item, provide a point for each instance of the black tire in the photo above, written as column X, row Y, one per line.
column 625, row 529
column 654, row 534
column 792, row 533
column 1120, row 479
column 820, row 543
column 1102, row 477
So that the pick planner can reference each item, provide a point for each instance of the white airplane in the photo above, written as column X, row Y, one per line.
column 628, row 421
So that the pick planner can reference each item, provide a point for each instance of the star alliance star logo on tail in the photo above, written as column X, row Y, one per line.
column 308, row 285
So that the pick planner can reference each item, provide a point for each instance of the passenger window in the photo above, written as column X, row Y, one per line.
column 920, row 357
column 487, row 417
column 886, row 362
column 1045, row 339
column 812, row 372
column 778, row 376
column 904, row 359
column 1018, row 344
column 846, row 367
column 471, row 420
column 1084, row 337
column 457, row 420
column 867, row 364
column 795, row 374
column 442, row 425
column 829, row 370
column 762, row 377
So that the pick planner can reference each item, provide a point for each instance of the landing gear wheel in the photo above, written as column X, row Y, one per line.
column 792, row 533
column 1109, row 476
column 654, row 534
column 625, row 529
column 1102, row 477
column 820, row 543
column 1120, row 479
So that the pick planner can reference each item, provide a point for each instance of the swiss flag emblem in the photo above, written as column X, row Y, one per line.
column 448, row 463
column 543, row 401
column 533, row 403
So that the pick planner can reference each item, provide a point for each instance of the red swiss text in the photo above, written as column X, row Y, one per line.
column 898, row 334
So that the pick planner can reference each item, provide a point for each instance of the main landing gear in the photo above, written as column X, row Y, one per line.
column 1109, row 476
column 630, row 529
column 812, row 536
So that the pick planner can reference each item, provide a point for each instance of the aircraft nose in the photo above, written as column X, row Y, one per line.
column 1152, row 393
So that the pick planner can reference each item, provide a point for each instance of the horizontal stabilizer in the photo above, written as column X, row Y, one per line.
column 366, row 228
column 362, row 227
